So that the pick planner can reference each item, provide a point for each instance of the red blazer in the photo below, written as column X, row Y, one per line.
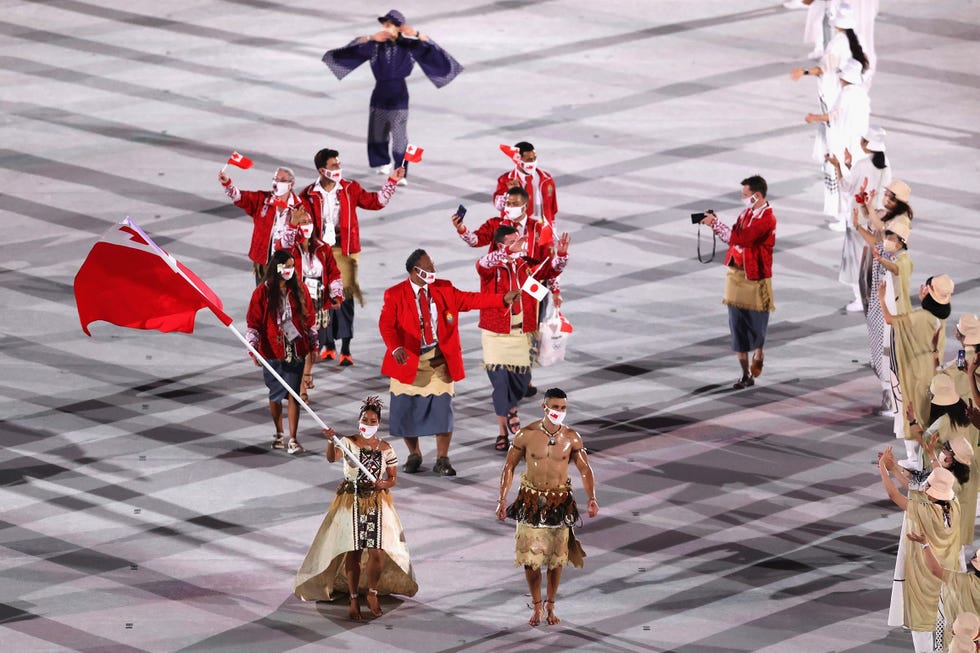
column 258, row 204
column 331, row 273
column 499, row 279
column 401, row 325
column 263, row 329
column 544, row 189
column 350, row 196
column 757, row 239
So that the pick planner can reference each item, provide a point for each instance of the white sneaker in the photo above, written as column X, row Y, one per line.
column 855, row 306
column 294, row 447
column 794, row 4
column 383, row 170
column 837, row 226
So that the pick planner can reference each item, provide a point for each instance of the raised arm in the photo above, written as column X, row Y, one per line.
column 719, row 228
column 935, row 568
column 893, row 493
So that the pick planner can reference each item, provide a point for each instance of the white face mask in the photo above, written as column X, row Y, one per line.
column 307, row 230
column 281, row 188
column 529, row 166
column 427, row 277
column 286, row 273
column 749, row 201
column 367, row 431
column 334, row 175
column 514, row 212
column 891, row 246
column 556, row 416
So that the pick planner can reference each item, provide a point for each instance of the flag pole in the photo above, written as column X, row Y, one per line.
column 224, row 167
column 350, row 456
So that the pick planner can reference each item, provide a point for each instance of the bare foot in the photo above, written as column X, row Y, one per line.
column 354, row 611
column 552, row 617
column 535, row 619
column 372, row 600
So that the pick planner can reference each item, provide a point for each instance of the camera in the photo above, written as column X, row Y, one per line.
column 698, row 217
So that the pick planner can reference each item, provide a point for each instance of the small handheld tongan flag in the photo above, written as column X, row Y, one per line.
column 240, row 160
column 512, row 152
column 413, row 154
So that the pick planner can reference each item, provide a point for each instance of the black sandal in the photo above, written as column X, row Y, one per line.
column 502, row 443
column 513, row 422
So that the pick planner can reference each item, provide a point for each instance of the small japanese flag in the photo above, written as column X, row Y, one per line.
column 512, row 152
column 413, row 154
column 535, row 288
column 242, row 162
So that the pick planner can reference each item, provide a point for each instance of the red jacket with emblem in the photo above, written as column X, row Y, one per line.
column 332, row 286
column 540, row 238
column 751, row 240
column 401, row 325
column 544, row 188
column 264, row 332
column 499, row 274
column 258, row 204
column 350, row 197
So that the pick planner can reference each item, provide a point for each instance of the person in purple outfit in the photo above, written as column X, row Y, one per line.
column 392, row 52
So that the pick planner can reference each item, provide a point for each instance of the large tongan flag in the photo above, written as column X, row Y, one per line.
column 129, row 281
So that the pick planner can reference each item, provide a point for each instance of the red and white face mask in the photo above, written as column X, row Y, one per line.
column 306, row 229
column 366, row 430
column 426, row 276
column 555, row 416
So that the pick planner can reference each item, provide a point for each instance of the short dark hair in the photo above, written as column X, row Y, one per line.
column 756, row 184
column 524, row 146
column 518, row 191
column 502, row 232
column 324, row 155
column 555, row 393
column 413, row 259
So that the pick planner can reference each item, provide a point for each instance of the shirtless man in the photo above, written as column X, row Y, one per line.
column 545, row 510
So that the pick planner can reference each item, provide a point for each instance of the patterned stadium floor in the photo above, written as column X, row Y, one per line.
column 141, row 508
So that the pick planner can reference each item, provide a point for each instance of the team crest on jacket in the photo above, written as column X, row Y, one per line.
column 450, row 318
